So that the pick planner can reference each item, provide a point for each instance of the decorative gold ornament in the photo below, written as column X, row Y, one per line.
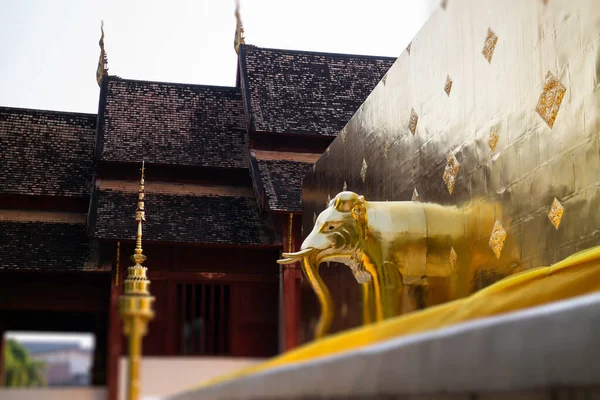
column 102, row 69
column 135, row 305
column 415, row 195
column 363, row 171
column 290, row 232
column 497, row 239
column 556, row 212
column 342, row 135
column 386, row 148
column 412, row 123
column 451, row 172
column 118, row 264
column 239, row 29
column 493, row 140
column 448, row 85
column 550, row 99
column 489, row 45
column 452, row 258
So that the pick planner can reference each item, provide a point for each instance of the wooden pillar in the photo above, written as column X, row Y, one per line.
column 114, row 335
column 291, row 304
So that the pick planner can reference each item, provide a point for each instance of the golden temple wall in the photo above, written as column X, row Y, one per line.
column 504, row 94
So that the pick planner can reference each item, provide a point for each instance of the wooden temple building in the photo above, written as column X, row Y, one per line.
column 224, row 169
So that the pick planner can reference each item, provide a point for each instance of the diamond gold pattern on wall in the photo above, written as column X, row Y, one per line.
column 448, row 85
column 386, row 148
column 556, row 212
column 490, row 44
column 550, row 99
column 493, row 140
column 451, row 172
column 497, row 239
column 415, row 195
column 363, row 171
column 452, row 258
column 412, row 123
column 343, row 135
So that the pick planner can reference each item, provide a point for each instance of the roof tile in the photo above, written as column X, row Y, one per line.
column 306, row 92
column 183, row 218
column 176, row 124
column 282, row 181
column 46, row 152
column 44, row 246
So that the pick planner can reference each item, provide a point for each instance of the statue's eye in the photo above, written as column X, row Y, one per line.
column 331, row 227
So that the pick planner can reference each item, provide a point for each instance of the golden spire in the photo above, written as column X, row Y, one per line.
column 239, row 29
column 103, row 60
column 140, row 218
column 135, row 305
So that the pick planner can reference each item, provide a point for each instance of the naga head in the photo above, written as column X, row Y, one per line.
column 337, row 236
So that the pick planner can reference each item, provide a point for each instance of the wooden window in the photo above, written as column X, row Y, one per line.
column 204, row 318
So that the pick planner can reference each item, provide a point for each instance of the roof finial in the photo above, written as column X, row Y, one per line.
column 102, row 60
column 239, row 29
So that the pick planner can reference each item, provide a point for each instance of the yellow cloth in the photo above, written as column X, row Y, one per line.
column 577, row 275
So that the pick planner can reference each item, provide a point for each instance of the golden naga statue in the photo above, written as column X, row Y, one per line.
column 393, row 245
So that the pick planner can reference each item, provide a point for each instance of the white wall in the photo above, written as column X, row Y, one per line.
column 168, row 375
column 80, row 362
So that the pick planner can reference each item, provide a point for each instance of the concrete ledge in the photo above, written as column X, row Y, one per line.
column 556, row 345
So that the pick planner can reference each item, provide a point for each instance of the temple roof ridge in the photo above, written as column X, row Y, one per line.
column 317, row 53
column 13, row 109
column 182, row 84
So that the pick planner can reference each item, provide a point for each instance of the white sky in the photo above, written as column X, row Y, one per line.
column 49, row 48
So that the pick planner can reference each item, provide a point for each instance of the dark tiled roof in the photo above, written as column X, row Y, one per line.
column 304, row 92
column 182, row 218
column 43, row 246
column 176, row 124
column 46, row 152
column 282, row 182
